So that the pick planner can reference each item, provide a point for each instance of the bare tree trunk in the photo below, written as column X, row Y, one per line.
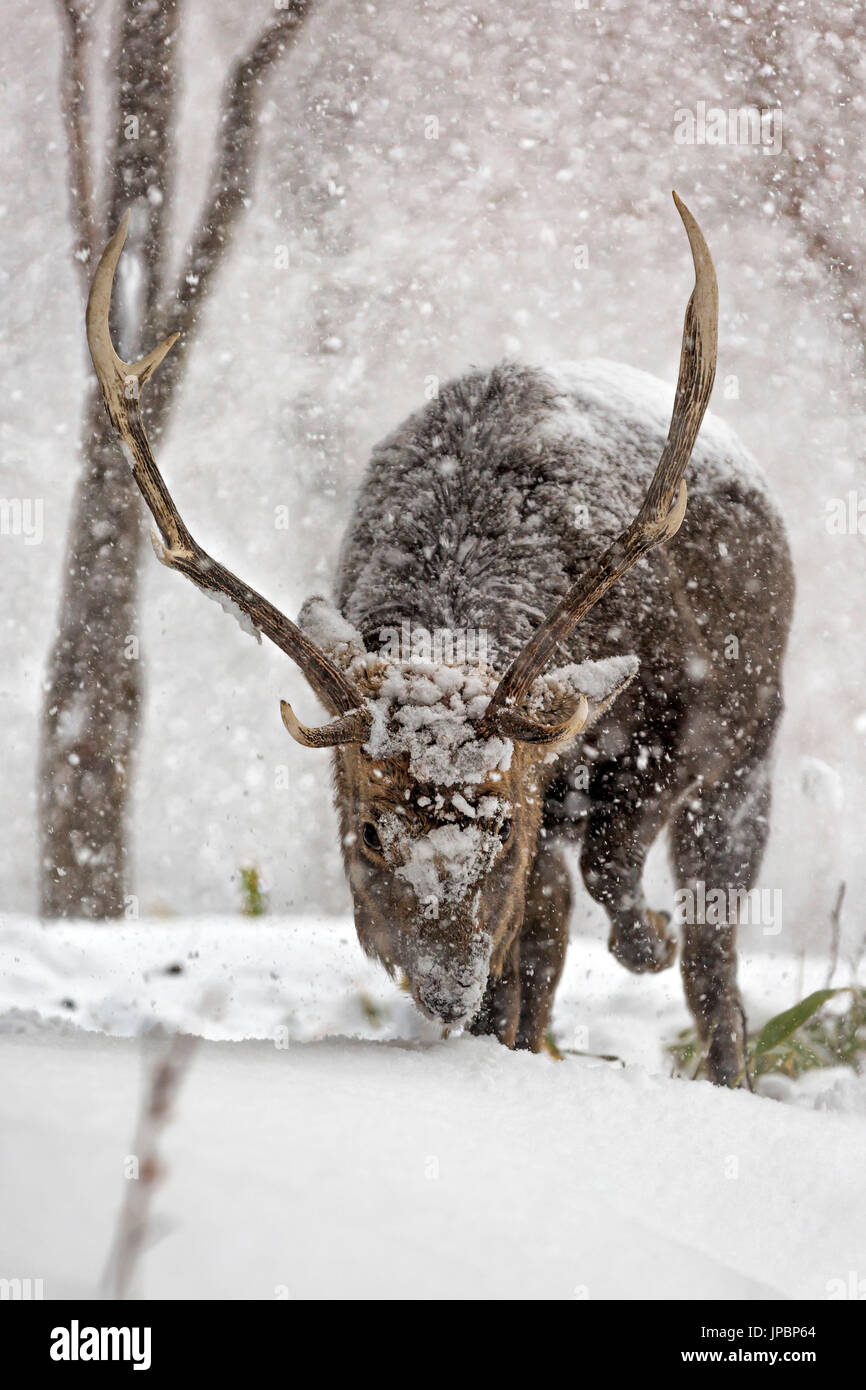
column 93, row 697
column 93, row 692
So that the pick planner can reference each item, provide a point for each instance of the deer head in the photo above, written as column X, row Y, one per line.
column 440, row 765
column 439, row 818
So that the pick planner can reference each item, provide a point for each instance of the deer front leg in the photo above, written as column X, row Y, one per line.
column 543, row 940
column 500, row 1008
column 619, row 834
column 517, row 1004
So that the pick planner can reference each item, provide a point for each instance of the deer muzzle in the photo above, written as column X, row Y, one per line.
column 450, row 991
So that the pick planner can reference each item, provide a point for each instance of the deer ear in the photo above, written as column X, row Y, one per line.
column 325, row 625
column 599, row 681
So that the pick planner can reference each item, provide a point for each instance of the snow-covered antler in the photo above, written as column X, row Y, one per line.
column 659, row 518
column 121, row 384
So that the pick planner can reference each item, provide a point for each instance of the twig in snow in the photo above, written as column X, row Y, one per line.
column 134, row 1222
column 835, row 933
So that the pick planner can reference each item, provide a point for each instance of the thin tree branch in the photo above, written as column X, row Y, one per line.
column 229, row 188
column 802, row 187
column 74, row 108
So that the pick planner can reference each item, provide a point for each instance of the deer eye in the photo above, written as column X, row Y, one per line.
column 505, row 831
column 371, row 836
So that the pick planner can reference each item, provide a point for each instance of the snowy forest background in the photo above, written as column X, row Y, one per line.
column 426, row 178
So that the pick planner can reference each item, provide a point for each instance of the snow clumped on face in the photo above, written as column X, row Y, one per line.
column 453, row 993
column 442, row 866
column 428, row 711
column 425, row 713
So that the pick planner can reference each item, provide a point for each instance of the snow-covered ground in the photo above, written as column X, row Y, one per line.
column 329, row 1143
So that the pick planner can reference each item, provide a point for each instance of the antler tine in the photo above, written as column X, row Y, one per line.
column 515, row 723
column 121, row 384
column 664, row 506
column 106, row 361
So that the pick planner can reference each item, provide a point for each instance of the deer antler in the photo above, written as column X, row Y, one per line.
column 659, row 518
column 121, row 384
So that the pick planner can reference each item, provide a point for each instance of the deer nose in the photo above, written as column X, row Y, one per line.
column 447, row 1010
column 450, row 994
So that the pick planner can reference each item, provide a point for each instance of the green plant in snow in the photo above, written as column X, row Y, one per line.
column 800, row 1039
column 254, row 899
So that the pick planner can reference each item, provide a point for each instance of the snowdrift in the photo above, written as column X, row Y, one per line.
column 328, row 1143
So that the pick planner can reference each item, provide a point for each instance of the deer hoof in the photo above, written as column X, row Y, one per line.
column 643, row 944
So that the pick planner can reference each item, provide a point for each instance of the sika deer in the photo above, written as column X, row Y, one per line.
column 458, row 778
